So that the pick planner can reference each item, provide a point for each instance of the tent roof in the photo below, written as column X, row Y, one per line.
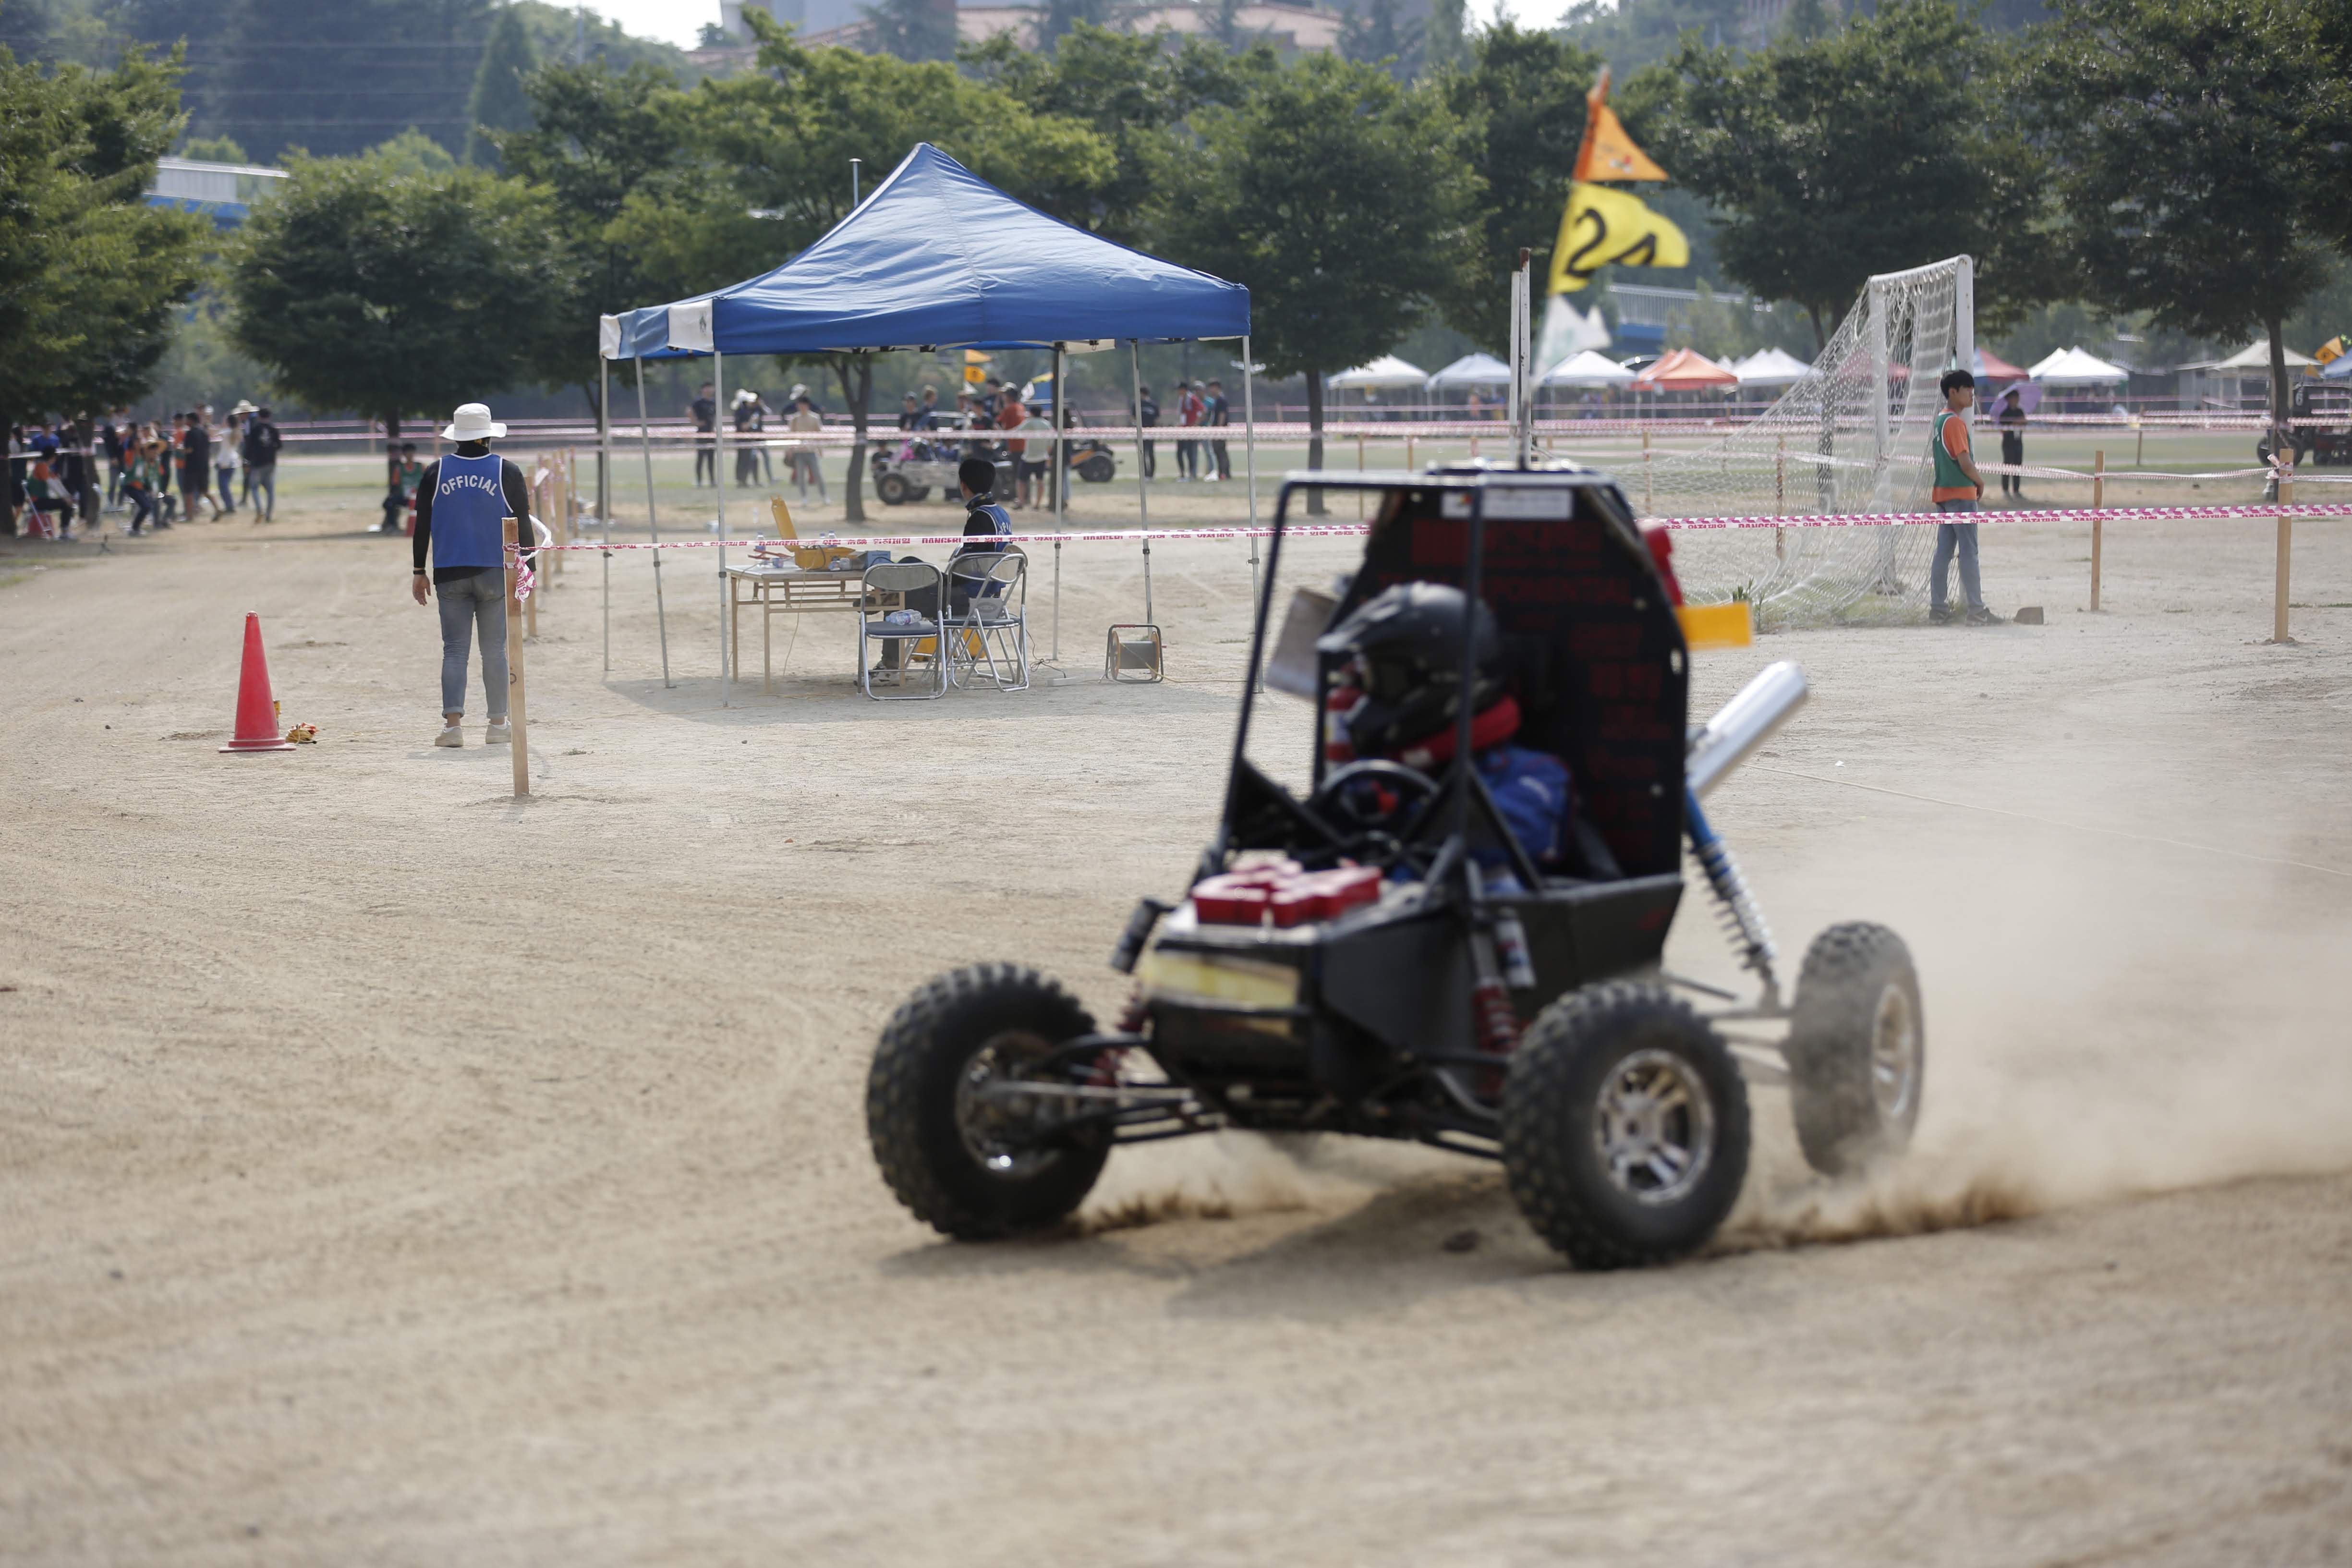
column 1474, row 370
column 1386, row 371
column 1586, row 369
column 2257, row 356
column 1769, row 367
column 936, row 255
column 1684, row 369
column 2072, row 367
column 1992, row 367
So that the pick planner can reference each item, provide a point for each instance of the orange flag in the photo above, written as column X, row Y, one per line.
column 1608, row 153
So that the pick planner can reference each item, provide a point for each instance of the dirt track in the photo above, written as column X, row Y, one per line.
column 390, row 1173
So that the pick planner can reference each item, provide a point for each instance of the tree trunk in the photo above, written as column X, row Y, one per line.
column 391, row 452
column 1315, row 507
column 858, row 392
column 1820, row 333
column 93, row 489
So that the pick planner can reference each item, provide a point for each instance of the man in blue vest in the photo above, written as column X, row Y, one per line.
column 462, row 502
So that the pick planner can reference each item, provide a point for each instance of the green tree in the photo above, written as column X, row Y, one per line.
column 1378, row 33
column 912, row 29
column 412, row 153
column 214, row 150
column 1521, row 106
column 1445, row 38
column 392, row 294
column 769, row 170
column 500, row 103
column 2204, row 148
column 1342, row 201
column 1631, row 34
column 1133, row 91
column 90, row 276
column 1875, row 148
column 597, row 134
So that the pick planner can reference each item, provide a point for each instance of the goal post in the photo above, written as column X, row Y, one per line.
column 1859, row 417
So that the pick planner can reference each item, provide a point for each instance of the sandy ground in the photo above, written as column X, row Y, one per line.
column 391, row 1173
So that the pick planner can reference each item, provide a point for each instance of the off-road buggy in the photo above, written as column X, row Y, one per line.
column 1292, row 990
column 908, row 468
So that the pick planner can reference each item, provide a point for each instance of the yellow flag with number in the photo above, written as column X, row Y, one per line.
column 1602, row 227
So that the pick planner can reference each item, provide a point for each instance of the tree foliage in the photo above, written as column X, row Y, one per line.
column 912, row 29
column 1521, row 106
column 1134, row 91
column 2203, row 152
column 90, row 277
column 1341, row 200
column 1869, row 149
column 364, row 287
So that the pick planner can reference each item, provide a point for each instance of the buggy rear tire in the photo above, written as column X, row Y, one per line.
column 891, row 490
column 1098, row 469
column 1857, row 1047
column 921, row 492
column 939, row 1148
column 1625, row 1127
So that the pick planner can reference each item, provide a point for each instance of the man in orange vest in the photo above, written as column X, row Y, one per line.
column 1959, row 486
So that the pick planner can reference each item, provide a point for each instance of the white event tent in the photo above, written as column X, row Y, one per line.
column 2072, row 367
column 2258, row 357
column 1586, row 369
column 1769, row 367
column 1385, row 374
column 1471, row 371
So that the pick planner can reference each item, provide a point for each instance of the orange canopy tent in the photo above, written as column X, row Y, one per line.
column 1683, row 370
column 1992, row 367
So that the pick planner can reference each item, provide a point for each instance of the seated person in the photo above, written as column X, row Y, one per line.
column 985, row 521
column 1398, row 697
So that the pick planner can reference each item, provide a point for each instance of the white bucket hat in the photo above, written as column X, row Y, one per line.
column 473, row 422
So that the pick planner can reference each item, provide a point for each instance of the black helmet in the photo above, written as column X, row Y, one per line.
column 1405, row 645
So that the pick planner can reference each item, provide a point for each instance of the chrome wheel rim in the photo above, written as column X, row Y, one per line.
column 1894, row 1055
column 985, row 1120
column 1654, row 1127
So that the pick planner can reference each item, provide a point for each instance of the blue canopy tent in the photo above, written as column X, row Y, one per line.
column 937, row 258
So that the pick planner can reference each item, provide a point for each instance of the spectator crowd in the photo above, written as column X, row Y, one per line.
column 149, row 475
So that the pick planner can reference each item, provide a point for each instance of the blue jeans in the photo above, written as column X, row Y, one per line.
column 474, row 605
column 262, row 476
column 1951, row 538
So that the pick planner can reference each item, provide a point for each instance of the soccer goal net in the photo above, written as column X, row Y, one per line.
column 1849, row 438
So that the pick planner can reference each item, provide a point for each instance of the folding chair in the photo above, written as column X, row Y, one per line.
column 988, row 619
column 905, row 579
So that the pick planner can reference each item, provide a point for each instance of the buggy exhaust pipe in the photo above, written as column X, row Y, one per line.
column 1744, row 723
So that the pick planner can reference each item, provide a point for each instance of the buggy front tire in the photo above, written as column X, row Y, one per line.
column 1857, row 1047
column 1625, row 1127
column 964, row 1161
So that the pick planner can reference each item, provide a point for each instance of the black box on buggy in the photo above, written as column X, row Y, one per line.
column 1454, row 935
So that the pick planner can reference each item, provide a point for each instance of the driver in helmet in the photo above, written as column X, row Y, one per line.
column 1397, row 697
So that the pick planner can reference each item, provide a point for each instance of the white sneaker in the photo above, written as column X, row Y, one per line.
column 451, row 735
column 497, row 734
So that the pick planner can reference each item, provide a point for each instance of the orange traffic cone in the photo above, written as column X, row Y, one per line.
column 257, row 714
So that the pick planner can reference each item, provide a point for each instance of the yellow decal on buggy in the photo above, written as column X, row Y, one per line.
column 1246, row 982
column 1717, row 626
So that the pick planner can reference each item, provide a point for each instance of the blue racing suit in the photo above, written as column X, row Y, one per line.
column 1532, row 794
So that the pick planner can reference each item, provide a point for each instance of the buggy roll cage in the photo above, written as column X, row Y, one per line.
column 1462, row 795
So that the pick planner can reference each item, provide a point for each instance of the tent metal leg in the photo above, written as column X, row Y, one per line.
column 653, row 524
column 1249, row 463
column 604, row 490
column 718, row 489
column 1061, row 485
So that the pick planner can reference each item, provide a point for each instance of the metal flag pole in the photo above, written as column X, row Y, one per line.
column 653, row 526
column 718, row 489
column 1249, row 461
column 1142, row 486
column 604, row 489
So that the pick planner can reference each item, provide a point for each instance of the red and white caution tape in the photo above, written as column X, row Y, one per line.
column 1357, row 530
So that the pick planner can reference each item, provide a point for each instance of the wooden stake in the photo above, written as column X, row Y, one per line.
column 1781, row 498
column 2286, row 558
column 515, row 716
column 2098, row 529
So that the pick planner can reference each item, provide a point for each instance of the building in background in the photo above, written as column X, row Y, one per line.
column 222, row 192
column 1290, row 28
